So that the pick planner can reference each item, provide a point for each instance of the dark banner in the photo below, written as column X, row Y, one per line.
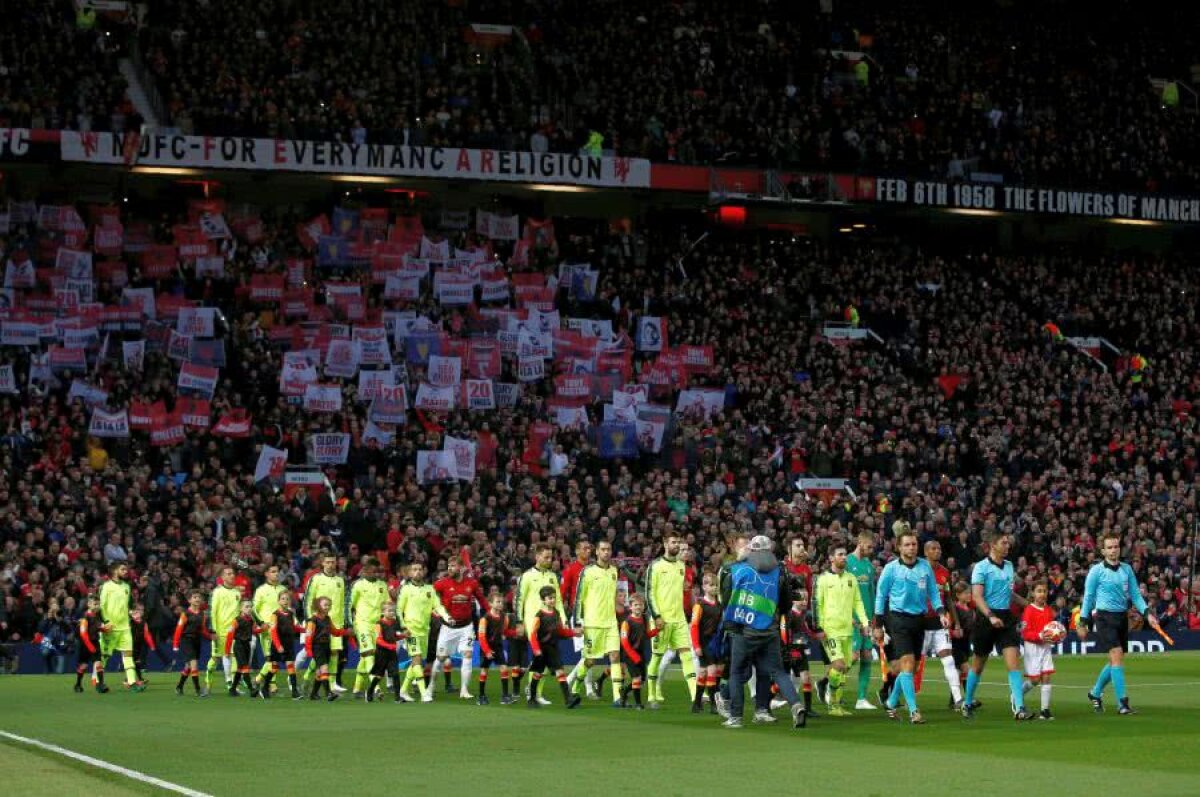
column 985, row 197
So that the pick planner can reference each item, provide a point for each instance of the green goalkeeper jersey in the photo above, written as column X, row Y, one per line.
column 332, row 587
column 864, row 573
column 596, row 597
column 266, row 602
column 664, row 590
column 367, row 597
column 838, row 604
column 223, row 609
column 416, row 605
column 114, row 604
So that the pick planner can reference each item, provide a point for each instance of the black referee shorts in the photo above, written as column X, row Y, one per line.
column 985, row 638
column 907, row 632
column 1112, row 630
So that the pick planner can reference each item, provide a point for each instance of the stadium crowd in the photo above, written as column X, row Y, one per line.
column 1062, row 99
column 967, row 415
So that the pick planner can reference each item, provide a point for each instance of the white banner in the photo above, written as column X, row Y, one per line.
column 8, row 382
column 571, row 417
column 507, row 394
column 480, row 395
column 322, row 398
column 330, row 449
column 74, row 264
column 342, row 358
column 455, row 293
column 432, row 397
column 464, row 456
column 650, row 435
column 299, row 370
column 370, row 382
column 272, row 462
column 324, row 157
column 445, row 371
column 389, row 405
column 196, row 322
column 700, row 403
column 90, row 395
column 651, row 333
column 133, row 354
column 531, row 369
column 109, row 424
column 496, row 226
column 212, row 266
column 406, row 287
column 377, row 434
column 373, row 345
column 436, row 466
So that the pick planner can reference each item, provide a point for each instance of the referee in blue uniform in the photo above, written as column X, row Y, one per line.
column 907, row 587
column 1111, row 588
column 996, row 625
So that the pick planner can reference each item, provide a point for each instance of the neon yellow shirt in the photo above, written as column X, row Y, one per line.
column 114, row 604
column 664, row 590
column 266, row 601
column 332, row 587
column 596, row 597
column 367, row 597
column 838, row 603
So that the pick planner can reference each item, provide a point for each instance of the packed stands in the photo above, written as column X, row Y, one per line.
column 960, row 413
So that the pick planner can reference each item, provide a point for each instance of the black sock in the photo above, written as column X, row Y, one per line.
column 371, row 687
column 637, row 695
column 237, row 677
column 808, row 700
column 566, row 692
column 600, row 681
column 698, row 700
column 196, row 682
column 137, row 672
column 79, row 673
column 182, row 679
column 100, row 677
column 449, row 685
column 504, row 687
column 292, row 681
column 265, row 688
column 316, row 688
column 625, row 690
column 483, row 685
column 428, row 678
column 341, row 668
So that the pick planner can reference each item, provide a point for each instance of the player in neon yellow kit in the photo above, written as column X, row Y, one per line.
column 596, row 612
column 223, row 610
column 665, row 579
column 114, row 606
column 266, row 603
column 416, row 604
column 528, row 601
column 328, row 584
column 838, row 604
column 367, row 596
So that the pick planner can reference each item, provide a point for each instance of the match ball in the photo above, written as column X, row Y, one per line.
column 1054, row 632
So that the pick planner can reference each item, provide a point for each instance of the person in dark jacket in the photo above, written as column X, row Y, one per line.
column 755, row 595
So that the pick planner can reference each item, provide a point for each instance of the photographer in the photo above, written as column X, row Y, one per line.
column 53, row 638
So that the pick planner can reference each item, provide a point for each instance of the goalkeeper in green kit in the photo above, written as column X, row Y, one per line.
column 328, row 584
column 859, row 565
column 223, row 610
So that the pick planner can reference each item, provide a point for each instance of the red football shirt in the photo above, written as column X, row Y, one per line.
column 457, row 597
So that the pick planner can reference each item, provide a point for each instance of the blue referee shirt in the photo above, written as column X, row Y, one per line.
column 907, row 588
column 1111, row 588
column 997, row 583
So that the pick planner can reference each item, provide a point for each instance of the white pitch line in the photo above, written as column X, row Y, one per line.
column 1132, row 684
column 132, row 774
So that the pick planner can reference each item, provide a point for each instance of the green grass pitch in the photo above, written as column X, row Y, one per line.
column 223, row 746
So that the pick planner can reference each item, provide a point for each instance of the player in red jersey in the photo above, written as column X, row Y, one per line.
column 572, row 572
column 1036, row 650
column 937, row 640
column 459, row 593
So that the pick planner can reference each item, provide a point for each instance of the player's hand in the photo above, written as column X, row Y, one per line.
column 956, row 633
column 1153, row 623
column 995, row 621
column 174, row 650
column 946, row 622
column 878, row 634
column 1081, row 631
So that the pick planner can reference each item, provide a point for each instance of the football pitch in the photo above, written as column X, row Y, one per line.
column 223, row 746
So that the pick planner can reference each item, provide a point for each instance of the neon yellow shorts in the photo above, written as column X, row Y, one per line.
column 598, row 642
column 116, row 640
column 365, row 634
column 417, row 643
column 672, row 636
column 840, row 647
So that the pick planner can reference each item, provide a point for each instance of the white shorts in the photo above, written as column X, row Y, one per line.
column 455, row 640
column 935, row 642
column 1038, row 658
